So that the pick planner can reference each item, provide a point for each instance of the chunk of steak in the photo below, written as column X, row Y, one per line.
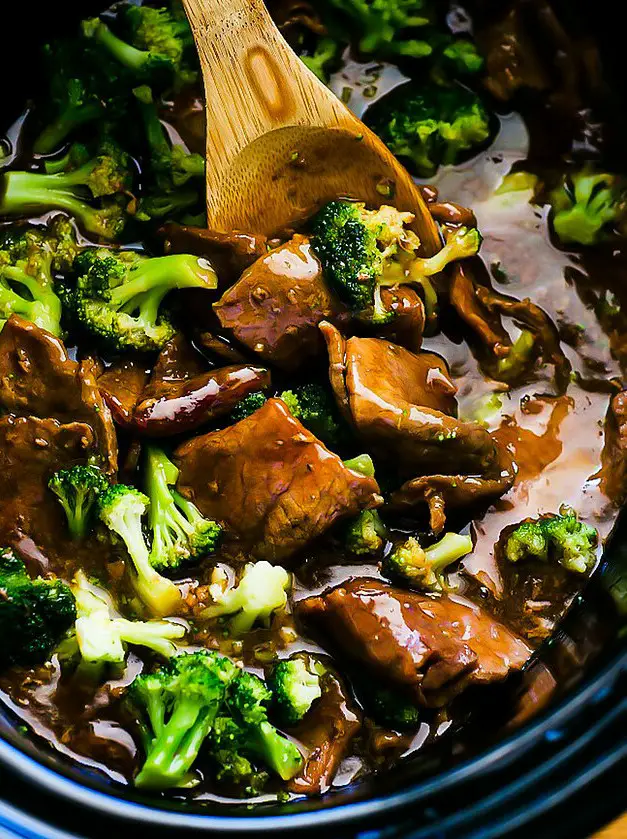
column 229, row 253
column 273, row 484
column 327, row 731
column 121, row 385
column 38, row 378
column 435, row 646
column 614, row 457
column 275, row 307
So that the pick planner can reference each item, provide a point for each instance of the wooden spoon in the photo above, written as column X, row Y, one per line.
column 279, row 143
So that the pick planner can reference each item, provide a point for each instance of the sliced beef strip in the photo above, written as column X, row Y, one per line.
column 229, row 253
column 183, row 395
column 38, row 378
column 275, row 307
column 408, row 325
column 121, row 385
column 31, row 449
column 614, row 456
column 403, row 403
column 434, row 646
column 326, row 731
column 273, row 484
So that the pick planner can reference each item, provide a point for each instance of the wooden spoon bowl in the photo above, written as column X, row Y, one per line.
column 279, row 143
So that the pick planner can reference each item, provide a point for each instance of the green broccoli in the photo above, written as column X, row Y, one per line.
column 248, row 699
column 562, row 538
column 176, row 709
column 260, row 592
column 101, row 635
column 430, row 125
column 170, row 167
column 29, row 255
column 584, row 204
column 226, row 745
column 121, row 508
column 461, row 57
column 519, row 357
column 105, row 178
column 366, row 534
column 179, row 532
column 77, row 489
column 83, row 90
column 295, row 686
column 362, row 464
column 158, row 49
column 323, row 58
column 117, row 296
column 34, row 614
column 425, row 567
column 314, row 406
column 393, row 707
column 247, row 406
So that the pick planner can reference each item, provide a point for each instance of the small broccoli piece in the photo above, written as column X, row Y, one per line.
column 314, row 406
column 121, row 508
column 34, row 614
column 393, row 707
column 156, row 53
column 562, row 538
column 77, row 489
column 366, row 534
column 28, row 258
column 176, row 708
column 357, row 248
column 381, row 26
column 519, row 357
column 260, row 592
column 584, row 204
column 117, row 296
column 176, row 177
column 247, row 406
column 295, row 686
column 430, row 125
column 248, row 698
column 179, row 532
column 362, row 464
column 226, row 744
column 105, row 177
column 462, row 56
column 101, row 635
column 323, row 58
column 425, row 567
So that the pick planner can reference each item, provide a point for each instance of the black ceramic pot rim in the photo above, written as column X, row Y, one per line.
column 499, row 756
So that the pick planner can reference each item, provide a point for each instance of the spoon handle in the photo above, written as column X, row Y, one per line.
column 254, row 83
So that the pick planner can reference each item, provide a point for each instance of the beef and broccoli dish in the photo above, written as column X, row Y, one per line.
column 277, row 513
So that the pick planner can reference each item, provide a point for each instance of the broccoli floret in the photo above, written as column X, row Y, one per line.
column 78, row 488
column 295, row 686
column 462, row 57
column 314, row 406
column 562, row 538
column 380, row 25
column 121, row 508
column 583, row 205
column 84, row 89
column 34, row 614
column 260, row 592
column 247, row 406
column 170, row 167
column 393, row 707
column 520, row 355
column 118, row 295
column 425, row 567
column 101, row 635
column 158, row 46
column 28, row 258
column 248, row 699
column 226, row 745
column 430, row 125
column 105, row 178
column 323, row 58
column 362, row 464
column 179, row 532
column 366, row 534
column 357, row 248
column 176, row 708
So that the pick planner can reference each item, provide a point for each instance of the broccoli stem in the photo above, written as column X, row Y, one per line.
column 276, row 751
column 128, row 55
column 450, row 548
column 156, row 277
column 55, row 134
column 362, row 463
